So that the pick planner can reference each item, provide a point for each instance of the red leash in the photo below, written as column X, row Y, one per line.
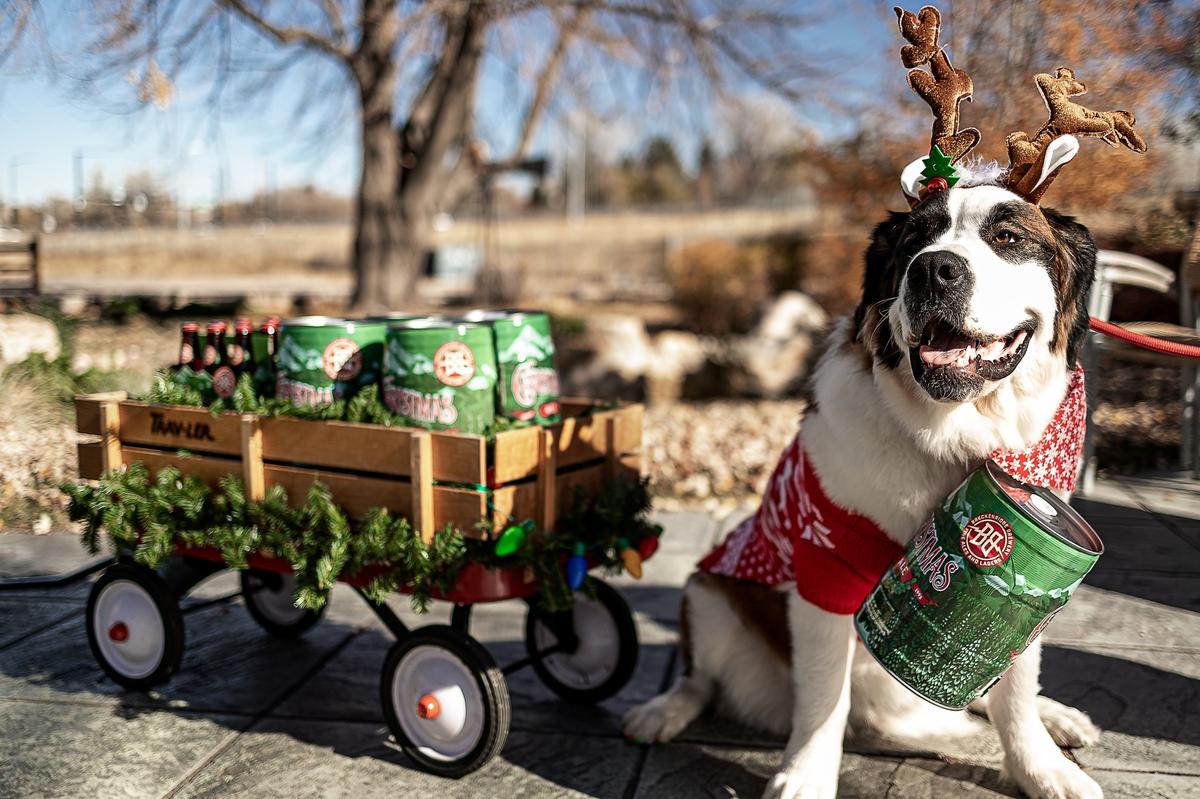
column 1145, row 342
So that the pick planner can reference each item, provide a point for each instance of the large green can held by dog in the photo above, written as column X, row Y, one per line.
column 441, row 375
column 321, row 359
column 975, row 587
column 528, row 386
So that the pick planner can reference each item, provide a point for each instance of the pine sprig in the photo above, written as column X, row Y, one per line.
column 149, row 516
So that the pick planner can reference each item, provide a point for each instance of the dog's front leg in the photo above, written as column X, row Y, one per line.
column 822, row 648
column 1031, row 758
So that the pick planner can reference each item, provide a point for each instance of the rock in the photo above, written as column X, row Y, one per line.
column 769, row 368
column 676, row 355
column 791, row 313
column 21, row 335
column 625, row 362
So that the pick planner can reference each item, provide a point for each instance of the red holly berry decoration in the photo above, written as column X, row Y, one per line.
column 648, row 546
column 935, row 186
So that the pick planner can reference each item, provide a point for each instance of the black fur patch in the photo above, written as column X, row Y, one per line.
column 1076, row 268
column 893, row 244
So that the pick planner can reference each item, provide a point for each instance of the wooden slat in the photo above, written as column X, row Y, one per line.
column 521, row 501
column 91, row 459
column 371, row 448
column 629, row 438
column 422, row 486
column 87, row 410
column 209, row 469
column 547, row 479
column 515, row 455
column 174, row 426
column 110, row 435
column 252, row 458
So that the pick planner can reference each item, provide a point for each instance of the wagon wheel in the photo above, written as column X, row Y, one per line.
column 602, row 656
column 134, row 626
column 270, row 598
column 445, row 700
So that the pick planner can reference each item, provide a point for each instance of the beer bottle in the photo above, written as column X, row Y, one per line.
column 216, row 361
column 189, row 343
column 241, row 355
column 191, row 371
column 264, row 373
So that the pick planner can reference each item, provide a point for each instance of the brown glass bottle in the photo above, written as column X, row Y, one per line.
column 264, row 372
column 216, row 360
column 241, row 355
column 190, row 353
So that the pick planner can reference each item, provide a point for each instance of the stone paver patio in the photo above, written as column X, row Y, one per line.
column 252, row 716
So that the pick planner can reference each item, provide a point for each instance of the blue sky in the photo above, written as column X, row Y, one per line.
column 44, row 121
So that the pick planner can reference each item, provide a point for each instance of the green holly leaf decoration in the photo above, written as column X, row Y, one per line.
column 938, row 165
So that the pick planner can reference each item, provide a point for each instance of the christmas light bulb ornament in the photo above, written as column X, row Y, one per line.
column 631, row 558
column 648, row 546
column 511, row 539
column 577, row 567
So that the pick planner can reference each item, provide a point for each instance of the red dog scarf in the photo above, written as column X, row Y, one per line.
column 836, row 556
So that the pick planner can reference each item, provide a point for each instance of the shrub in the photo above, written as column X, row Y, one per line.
column 721, row 286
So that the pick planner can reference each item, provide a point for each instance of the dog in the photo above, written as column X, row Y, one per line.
column 965, row 343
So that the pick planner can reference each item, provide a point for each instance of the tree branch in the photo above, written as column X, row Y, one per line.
column 287, row 34
column 545, row 83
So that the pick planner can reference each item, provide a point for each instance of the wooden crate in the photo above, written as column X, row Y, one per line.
column 433, row 478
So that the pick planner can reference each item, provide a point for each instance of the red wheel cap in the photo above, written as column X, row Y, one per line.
column 428, row 707
column 118, row 632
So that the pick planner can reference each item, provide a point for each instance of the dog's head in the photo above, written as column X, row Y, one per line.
column 973, row 286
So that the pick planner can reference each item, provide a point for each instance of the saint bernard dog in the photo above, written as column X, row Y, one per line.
column 965, row 344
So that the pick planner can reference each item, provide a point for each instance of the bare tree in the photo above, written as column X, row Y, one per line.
column 413, row 71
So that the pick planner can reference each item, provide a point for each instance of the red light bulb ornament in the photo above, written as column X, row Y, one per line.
column 631, row 558
column 577, row 566
column 648, row 546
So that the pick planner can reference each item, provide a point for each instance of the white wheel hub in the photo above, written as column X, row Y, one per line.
column 450, row 726
column 595, row 660
column 277, row 605
column 130, row 632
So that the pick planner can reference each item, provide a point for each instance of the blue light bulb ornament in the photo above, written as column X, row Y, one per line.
column 577, row 567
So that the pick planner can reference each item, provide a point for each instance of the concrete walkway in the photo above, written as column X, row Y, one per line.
column 252, row 716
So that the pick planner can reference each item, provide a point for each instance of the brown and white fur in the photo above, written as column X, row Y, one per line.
column 891, row 435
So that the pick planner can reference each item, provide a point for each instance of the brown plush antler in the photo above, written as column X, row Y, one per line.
column 1026, row 154
column 944, row 87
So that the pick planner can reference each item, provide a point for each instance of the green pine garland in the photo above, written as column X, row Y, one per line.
column 149, row 515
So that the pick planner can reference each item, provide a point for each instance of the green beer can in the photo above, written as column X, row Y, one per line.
column 979, row 582
column 441, row 375
column 321, row 359
column 528, row 384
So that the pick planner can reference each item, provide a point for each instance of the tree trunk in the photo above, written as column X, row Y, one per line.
column 384, row 272
column 383, row 277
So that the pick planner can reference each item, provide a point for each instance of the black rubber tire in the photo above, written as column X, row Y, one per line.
column 492, row 688
column 627, row 656
column 168, row 610
column 252, row 583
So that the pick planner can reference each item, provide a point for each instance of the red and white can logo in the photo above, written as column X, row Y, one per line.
column 454, row 364
column 987, row 540
column 341, row 359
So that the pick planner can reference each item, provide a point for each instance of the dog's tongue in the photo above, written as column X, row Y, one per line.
column 948, row 347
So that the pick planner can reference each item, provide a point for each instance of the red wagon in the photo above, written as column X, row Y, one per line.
column 443, row 695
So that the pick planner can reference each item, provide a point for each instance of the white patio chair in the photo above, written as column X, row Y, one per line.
column 1125, row 269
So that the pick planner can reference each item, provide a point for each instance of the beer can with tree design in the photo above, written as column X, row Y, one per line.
column 441, row 375
column 976, row 586
column 528, row 381
column 320, row 359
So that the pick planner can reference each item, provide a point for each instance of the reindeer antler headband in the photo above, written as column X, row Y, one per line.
column 1034, row 161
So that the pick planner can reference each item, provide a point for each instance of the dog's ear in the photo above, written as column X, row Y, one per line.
column 881, row 283
column 1075, row 268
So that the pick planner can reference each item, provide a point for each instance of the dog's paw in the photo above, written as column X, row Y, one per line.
column 656, row 721
column 803, row 783
column 1055, row 777
column 1068, row 726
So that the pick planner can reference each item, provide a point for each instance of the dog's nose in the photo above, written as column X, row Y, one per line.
column 937, row 271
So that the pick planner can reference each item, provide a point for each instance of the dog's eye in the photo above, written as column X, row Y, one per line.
column 1006, row 237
